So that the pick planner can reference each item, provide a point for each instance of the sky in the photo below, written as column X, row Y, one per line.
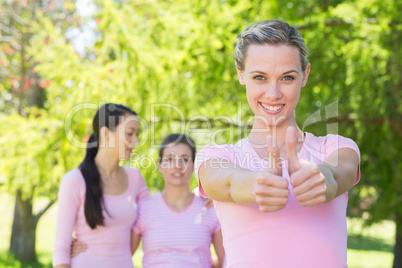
column 85, row 36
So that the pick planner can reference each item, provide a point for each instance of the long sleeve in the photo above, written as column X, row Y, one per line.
column 68, row 205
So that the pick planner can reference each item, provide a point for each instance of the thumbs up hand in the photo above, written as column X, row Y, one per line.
column 306, row 178
column 271, row 188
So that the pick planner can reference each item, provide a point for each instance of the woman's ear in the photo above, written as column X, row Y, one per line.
column 305, row 75
column 159, row 166
column 104, row 136
column 240, row 75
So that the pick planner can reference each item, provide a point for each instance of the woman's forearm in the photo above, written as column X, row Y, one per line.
column 340, row 170
column 217, row 241
column 135, row 241
column 226, row 182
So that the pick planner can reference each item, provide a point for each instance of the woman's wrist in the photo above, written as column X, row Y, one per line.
column 242, row 186
column 330, row 182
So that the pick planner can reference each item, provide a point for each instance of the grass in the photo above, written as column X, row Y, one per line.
column 370, row 247
column 367, row 247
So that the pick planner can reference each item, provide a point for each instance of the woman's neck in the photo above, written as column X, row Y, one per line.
column 259, row 132
column 177, row 198
column 107, row 164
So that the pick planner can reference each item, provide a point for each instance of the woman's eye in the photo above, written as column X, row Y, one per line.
column 259, row 77
column 288, row 78
column 129, row 134
column 186, row 160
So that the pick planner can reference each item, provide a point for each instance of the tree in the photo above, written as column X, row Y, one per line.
column 29, row 168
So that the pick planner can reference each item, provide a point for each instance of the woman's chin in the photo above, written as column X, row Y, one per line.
column 177, row 182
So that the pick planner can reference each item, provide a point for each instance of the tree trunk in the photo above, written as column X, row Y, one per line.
column 398, row 242
column 22, row 243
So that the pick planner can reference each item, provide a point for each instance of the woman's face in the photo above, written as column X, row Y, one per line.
column 124, row 138
column 176, row 165
column 273, row 78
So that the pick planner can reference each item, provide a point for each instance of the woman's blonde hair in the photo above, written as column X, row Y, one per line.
column 269, row 32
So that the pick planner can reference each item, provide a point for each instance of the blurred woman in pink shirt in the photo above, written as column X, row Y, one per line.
column 97, row 200
column 280, row 193
column 175, row 227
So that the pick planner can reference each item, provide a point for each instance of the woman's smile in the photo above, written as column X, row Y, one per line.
column 177, row 174
column 272, row 108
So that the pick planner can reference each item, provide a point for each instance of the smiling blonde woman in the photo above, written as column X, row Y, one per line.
column 280, row 193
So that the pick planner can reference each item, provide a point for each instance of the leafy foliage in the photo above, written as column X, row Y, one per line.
column 172, row 62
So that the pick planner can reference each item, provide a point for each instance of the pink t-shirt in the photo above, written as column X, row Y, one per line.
column 295, row 236
column 109, row 245
column 175, row 239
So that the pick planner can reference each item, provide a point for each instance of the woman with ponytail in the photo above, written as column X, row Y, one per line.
column 98, row 200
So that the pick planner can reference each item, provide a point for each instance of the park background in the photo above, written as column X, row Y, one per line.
column 172, row 62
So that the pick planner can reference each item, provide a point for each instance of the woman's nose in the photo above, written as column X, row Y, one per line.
column 178, row 163
column 135, row 141
column 273, row 91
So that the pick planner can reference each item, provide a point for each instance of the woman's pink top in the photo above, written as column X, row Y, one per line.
column 175, row 239
column 296, row 236
column 109, row 245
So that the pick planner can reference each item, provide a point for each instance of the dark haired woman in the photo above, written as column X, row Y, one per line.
column 176, row 228
column 98, row 200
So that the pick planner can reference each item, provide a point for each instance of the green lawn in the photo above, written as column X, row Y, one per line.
column 369, row 247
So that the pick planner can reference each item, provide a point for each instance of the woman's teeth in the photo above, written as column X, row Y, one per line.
column 272, row 108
